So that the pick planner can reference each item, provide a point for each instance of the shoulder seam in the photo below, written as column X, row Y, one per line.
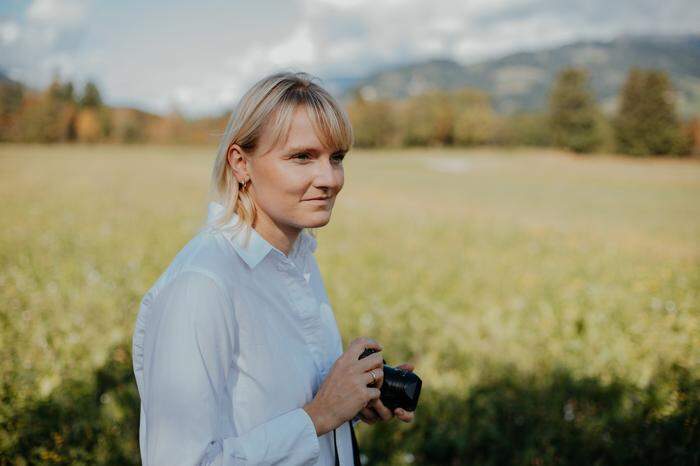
column 207, row 273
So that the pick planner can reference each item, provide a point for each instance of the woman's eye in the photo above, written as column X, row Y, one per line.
column 338, row 159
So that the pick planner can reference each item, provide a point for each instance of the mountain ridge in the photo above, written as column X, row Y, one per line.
column 520, row 81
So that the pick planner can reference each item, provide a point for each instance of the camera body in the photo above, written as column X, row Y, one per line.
column 400, row 388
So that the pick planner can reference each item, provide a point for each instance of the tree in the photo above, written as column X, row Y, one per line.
column 11, row 97
column 428, row 119
column 475, row 121
column 91, row 96
column 61, row 92
column 573, row 113
column 373, row 121
column 87, row 125
column 646, row 122
column 94, row 121
column 526, row 129
column 50, row 117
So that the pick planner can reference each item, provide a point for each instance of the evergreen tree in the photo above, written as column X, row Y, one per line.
column 646, row 123
column 11, row 97
column 61, row 92
column 51, row 117
column 91, row 96
column 573, row 113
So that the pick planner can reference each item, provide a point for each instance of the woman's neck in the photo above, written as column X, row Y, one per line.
column 281, row 237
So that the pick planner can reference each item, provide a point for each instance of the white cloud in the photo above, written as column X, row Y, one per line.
column 9, row 32
column 342, row 50
column 297, row 49
column 447, row 24
column 431, row 46
column 200, row 59
column 61, row 13
column 344, row 4
column 352, row 4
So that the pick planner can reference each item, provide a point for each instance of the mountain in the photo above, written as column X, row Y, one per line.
column 4, row 78
column 521, row 81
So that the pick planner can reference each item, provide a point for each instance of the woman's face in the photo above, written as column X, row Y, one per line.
column 287, row 180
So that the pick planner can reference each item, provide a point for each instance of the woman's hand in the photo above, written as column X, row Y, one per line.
column 376, row 411
column 344, row 391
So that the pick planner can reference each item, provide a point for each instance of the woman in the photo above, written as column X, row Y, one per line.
column 236, row 351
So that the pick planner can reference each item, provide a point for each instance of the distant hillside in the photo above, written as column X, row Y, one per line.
column 4, row 77
column 521, row 81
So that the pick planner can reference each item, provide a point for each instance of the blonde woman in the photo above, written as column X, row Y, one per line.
column 236, row 351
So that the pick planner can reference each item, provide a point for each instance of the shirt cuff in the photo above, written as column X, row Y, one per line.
column 355, row 420
column 287, row 439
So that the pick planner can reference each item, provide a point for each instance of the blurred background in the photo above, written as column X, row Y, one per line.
column 520, row 217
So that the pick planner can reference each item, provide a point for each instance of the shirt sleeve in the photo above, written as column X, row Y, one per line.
column 191, row 348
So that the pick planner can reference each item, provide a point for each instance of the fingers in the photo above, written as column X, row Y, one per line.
column 371, row 362
column 368, row 415
column 376, row 411
column 384, row 413
column 405, row 416
column 358, row 345
column 372, row 394
column 406, row 366
column 378, row 377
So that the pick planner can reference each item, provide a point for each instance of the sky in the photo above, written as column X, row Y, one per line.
column 199, row 57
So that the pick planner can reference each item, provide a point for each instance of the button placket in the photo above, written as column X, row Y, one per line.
column 287, row 264
column 307, row 307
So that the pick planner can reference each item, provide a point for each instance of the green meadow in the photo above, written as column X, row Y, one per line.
column 550, row 302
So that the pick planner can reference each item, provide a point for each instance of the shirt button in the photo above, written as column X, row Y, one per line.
column 284, row 266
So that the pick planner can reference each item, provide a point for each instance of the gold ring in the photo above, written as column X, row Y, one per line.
column 374, row 379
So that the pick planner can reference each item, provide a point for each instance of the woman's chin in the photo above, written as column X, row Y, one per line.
column 318, row 219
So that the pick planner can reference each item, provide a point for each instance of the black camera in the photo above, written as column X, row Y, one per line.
column 400, row 388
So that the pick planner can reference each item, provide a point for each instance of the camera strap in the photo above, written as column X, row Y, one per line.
column 355, row 448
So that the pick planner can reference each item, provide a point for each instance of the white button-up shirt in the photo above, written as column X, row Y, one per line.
column 230, row 343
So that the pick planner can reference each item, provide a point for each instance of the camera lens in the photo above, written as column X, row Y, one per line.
column 400, row 388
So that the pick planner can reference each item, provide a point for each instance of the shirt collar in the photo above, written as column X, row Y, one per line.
column 257, row 247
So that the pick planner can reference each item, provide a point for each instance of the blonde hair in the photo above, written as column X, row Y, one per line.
column 269, row 106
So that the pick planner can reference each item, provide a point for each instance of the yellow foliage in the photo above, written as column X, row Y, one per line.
column 87, row 125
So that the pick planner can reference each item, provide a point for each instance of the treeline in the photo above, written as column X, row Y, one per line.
column 646, row 121
column 61, row 114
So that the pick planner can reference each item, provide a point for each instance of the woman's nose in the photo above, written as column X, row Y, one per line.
column 327, row 175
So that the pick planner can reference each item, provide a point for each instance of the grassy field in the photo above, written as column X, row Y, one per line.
column 564, row 288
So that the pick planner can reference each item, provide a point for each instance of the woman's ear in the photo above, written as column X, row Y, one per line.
column 236, row 159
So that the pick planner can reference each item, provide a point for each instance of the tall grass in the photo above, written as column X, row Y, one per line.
column 549, row 302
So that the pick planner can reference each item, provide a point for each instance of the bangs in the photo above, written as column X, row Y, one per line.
column 330, row 123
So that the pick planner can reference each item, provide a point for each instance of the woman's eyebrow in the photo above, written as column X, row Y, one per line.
column 311, row 150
